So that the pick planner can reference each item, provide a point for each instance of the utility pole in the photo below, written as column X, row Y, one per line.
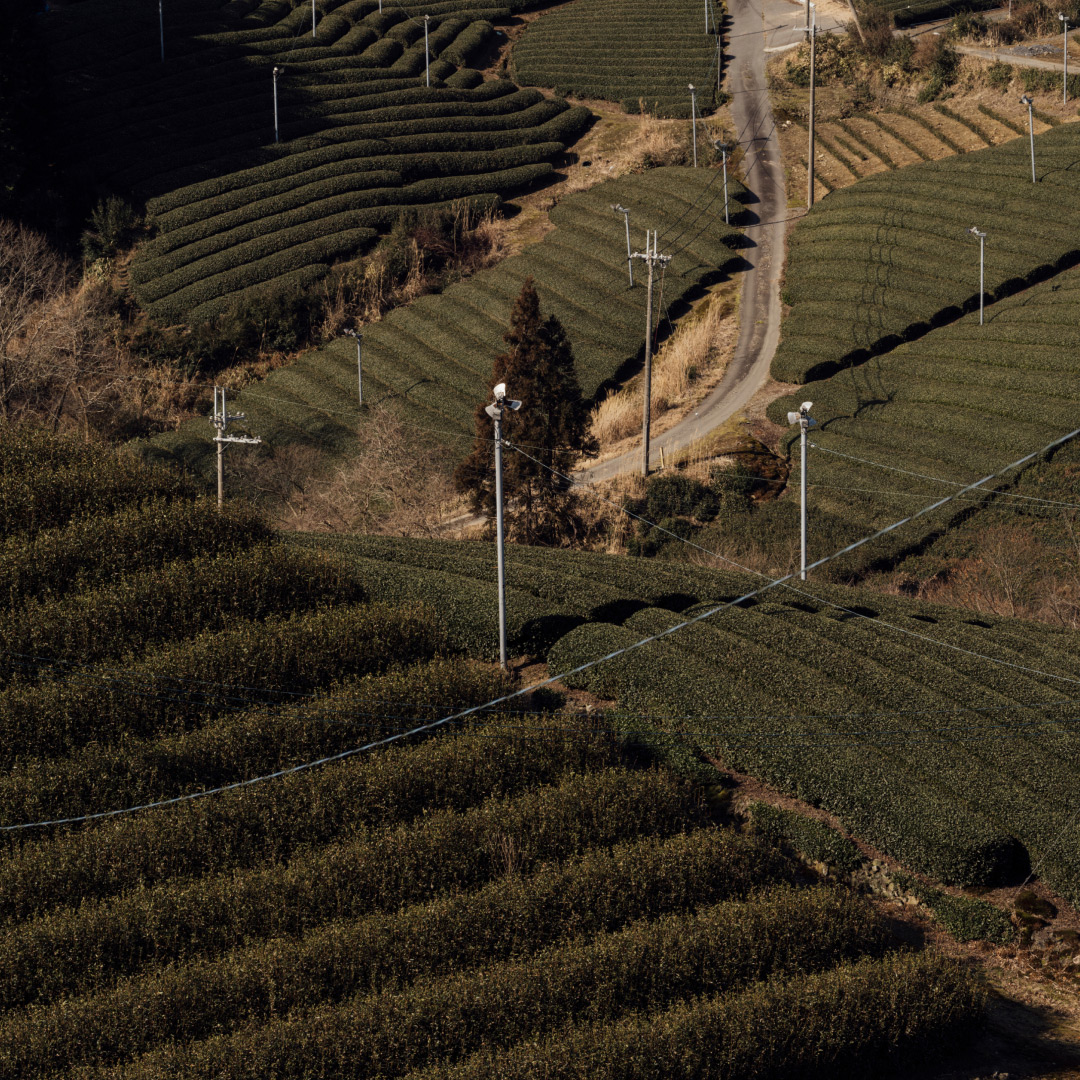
column 723, row 148
column 652, row 259
column 427, row 55
column 982, row 266
column 1065, row 59
column 620, row 209
column 706, row 16
column 1026, row 100
column 277, row 72
column 359, row 368
column 803, row 419
column 221, row 422
column 810, row 161
column 496, row 410
column 693, row 118
column 161, row 28
column 312, row 18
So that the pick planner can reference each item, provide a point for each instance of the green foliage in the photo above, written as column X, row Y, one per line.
column 112, row 227
column 967, row 918
column 47, row 482
column 59, row 560
column 180, row 599
column 433, row 357
column 554, row 426
column 600, row 891
column 900, row 290
column 1000, row 75
column 813, row 839
column 268, row 823
column 724, row 947
column 843, row 1021
column 186, row 684
column 603, row 49
column 393, row 867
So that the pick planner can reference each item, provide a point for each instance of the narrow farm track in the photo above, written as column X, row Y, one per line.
column 755, row 28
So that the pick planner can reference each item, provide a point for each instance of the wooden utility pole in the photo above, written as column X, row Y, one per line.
column 652, row 258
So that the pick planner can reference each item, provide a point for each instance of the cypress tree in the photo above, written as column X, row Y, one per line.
column 551, row 428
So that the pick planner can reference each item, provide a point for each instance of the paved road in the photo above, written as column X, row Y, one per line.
column 757, row 27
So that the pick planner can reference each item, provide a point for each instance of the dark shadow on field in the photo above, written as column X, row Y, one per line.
column 1015, row 1039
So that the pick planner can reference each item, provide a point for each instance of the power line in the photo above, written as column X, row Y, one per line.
column 940, row 480
column 802, row 592
column 423, row 728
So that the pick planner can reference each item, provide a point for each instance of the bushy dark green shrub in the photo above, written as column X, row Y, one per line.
column 514, row 914
column 813, row 839
column 839, row 1022
column 113, row 224
column 725, row 946
column 967, row 918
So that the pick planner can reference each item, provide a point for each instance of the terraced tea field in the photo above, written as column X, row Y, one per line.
column 507, row 897
column 366, row 129
column 434, row 357
column 871, row 142
column 891, row 257
column 604, row 49
column 945, row 739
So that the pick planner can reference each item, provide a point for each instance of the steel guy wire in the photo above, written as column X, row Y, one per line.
column 433, row 725
column 940, row 480
column 802, row 592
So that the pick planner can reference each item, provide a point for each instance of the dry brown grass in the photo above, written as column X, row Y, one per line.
column 394, row 484
column 684, row 357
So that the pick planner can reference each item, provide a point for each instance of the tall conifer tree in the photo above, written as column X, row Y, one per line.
column 551, row 427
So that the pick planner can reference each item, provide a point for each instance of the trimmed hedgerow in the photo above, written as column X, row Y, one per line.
column 180, row 599
column 74, row 951
column 186, row 684
column 821, row 1025
column 495, row 756
column 513, row 915
column 56, row 561
column 237, row 745
column 724, row 947
column 813, row 839
column 48, row 497
column 600, row 48
column 967, row 918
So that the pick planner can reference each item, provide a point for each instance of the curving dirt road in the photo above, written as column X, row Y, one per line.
column 757, row 27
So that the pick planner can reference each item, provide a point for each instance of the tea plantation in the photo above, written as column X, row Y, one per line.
column 946, row 740
column 434, row 356
column 622, row 52
column 516, row 895
column 363, row 134
column 891, row 257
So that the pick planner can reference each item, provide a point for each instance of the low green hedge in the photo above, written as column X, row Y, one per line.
column 515, row 914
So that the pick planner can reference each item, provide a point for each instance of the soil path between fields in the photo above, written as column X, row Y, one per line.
column 755, row 27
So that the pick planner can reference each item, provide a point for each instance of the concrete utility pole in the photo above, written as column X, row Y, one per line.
column 693, row 118
column 723, row 148
column 277, row 72
column 803, row 419
column 496, row 410
column 620, row 209
column 1065, row 59
column 810, row 160
column 359, row 368
column 706, row 16
column 221, row 422
column 427, row 55
column 1026, row 100
column 982, row 266
column 652, row 259
column 312, row 18
column 161, row 28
